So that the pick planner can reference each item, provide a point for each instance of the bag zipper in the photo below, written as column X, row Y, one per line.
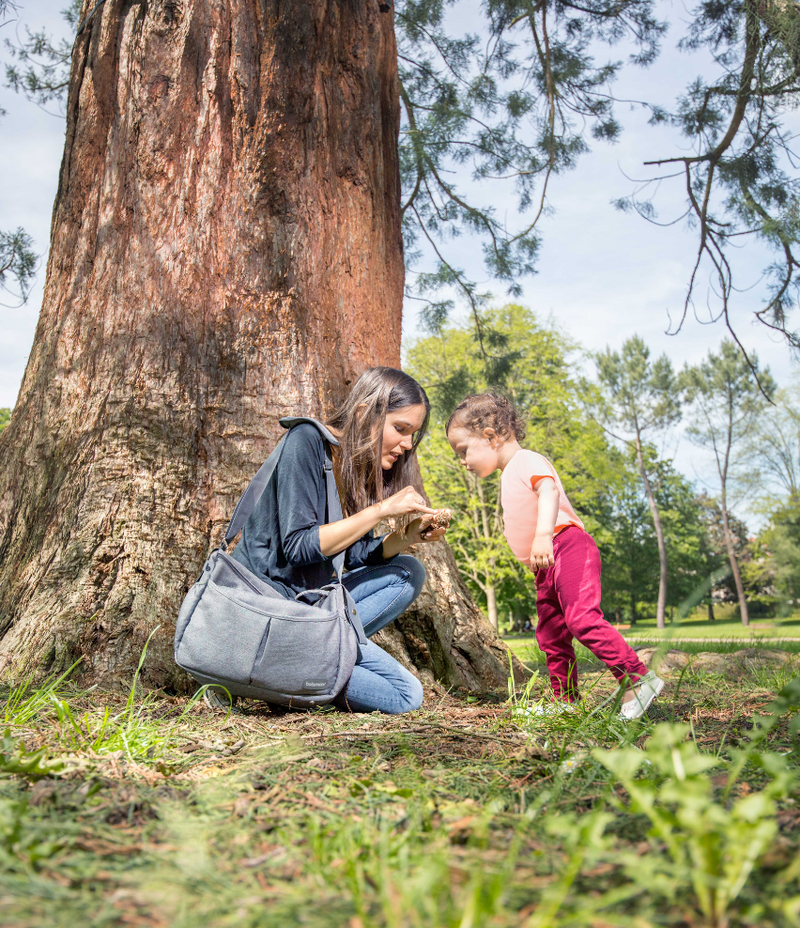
column 237, row 570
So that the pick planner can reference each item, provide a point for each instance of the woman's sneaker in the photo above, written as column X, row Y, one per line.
column 645, row 691
column 219, row 699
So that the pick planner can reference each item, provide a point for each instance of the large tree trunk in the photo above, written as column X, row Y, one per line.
column 662, row 547
column 225, row 249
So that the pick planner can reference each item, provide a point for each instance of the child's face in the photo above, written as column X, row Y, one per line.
column 478, row 451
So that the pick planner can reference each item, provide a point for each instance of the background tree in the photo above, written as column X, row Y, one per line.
column 740, row 180
column 18, row 263
column 518, row 103
column 720, row 585
column 524, row 99
column 41, row 72
column 694, row 566
column 773, row 444
column 775, row 568
column 726, row 401
column 637, row 397
column 628, row 544
column 18, row 260
column 537, row 378
column 216, row 262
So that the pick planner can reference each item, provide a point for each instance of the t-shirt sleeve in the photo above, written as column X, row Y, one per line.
column 533, row 467
column 300, row 475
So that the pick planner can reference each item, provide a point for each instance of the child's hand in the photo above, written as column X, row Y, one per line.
column 542, row 553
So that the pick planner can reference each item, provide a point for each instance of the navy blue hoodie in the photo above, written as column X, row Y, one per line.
column 280, row 540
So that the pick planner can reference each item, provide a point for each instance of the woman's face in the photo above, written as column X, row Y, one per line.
column 398, row 433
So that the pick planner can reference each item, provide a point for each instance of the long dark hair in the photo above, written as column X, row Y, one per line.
column 359, row 422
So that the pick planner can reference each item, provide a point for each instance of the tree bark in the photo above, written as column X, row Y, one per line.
column 662, row 547
column 225, row 250
column 744, row 613
column 444, row 636
column 491, row 606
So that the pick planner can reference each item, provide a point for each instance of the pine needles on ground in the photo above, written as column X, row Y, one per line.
column 462, row 814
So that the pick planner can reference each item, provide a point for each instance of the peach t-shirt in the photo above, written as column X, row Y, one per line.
column 521, row 504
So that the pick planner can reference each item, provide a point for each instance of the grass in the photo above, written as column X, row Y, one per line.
column 526, row 648
column 464, row 814
column 724, row 635
column 726, row 625
column 722, row 628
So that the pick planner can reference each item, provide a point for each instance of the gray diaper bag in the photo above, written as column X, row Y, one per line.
column 236, row 631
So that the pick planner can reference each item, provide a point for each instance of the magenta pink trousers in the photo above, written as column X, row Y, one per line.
column 568, row 606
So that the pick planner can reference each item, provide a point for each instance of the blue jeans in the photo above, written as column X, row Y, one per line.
column 382, row 593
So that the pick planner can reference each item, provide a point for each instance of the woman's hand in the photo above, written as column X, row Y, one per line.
column 420, row 531
column 400, row 504
column 336, row 536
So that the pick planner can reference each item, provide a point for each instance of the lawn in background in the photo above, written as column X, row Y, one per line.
column 690, row 628
column 726, row 625
column 527, row 650
column 696, row 625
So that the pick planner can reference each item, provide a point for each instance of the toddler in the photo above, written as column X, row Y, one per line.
column 545, row 533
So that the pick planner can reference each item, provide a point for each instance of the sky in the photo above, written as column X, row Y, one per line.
column 602, row 275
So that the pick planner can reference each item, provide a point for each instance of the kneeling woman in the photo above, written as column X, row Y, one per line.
column 287, row 541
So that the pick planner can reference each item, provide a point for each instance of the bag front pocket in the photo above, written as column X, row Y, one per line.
column 223, row 638
column 299, row 657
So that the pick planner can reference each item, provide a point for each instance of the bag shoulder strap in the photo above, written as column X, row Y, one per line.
column 334, row 506
column 258, row 484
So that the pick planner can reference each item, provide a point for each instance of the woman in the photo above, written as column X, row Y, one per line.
column 288, row 541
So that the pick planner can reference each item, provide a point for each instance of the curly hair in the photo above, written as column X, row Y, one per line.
column 488, row 411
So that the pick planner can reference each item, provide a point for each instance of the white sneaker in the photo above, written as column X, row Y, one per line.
column 645, row 691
